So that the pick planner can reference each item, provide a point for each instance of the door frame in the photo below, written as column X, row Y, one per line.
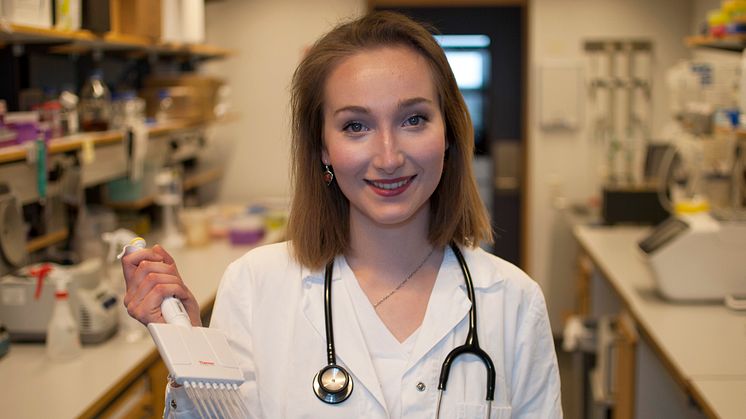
column 525, row 255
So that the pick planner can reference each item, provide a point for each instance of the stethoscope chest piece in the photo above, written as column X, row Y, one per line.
column 332, row 384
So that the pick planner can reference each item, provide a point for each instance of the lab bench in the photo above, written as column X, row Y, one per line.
column 114, row 376
column 676, row 360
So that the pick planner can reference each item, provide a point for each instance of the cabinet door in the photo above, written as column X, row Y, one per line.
column 158, row 377
column 133, row 403
column 625, row 363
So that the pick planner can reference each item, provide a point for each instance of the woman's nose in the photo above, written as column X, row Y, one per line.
column 388, row 155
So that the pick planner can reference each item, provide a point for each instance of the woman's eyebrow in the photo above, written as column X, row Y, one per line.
column 352, row 108
column 407, row 103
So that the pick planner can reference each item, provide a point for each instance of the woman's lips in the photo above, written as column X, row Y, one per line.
column 390, row 187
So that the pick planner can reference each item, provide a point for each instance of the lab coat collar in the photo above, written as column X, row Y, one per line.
column 449, row 302
column 349, row 342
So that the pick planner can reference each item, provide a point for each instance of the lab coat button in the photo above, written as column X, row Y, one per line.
column 421, row 386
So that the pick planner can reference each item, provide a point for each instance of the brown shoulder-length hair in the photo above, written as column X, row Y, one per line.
column 319, row 218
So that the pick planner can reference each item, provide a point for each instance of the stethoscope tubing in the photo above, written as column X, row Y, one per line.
column 331, row 354
column 471, row 346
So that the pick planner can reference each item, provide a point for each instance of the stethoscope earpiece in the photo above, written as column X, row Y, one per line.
column 332, row 384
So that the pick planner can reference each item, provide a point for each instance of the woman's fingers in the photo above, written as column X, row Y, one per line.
column 131, row 262
column 157, row 249
column 161, row 275
column 148, row 310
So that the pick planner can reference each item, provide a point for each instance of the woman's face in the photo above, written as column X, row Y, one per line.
column 384, row 134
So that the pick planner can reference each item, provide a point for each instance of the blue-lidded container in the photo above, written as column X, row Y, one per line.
column 4, row 341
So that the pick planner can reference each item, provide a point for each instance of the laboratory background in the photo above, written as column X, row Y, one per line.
column 610, row 151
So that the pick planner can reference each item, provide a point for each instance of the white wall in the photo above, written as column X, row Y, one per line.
column 269, row 37
column 566, row 164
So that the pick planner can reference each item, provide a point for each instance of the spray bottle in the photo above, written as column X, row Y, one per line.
column 63, row 334
column 131, row 329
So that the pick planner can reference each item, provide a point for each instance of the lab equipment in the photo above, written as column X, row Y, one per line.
column 27, row 301
column 614, row 87
column 736, row 301
column 63, row 335
column 198, row 358
column 95, row 104
column 4, row 341
column 247, row 229
column 333, row 384
column 631, row 205
column 12, row 235
column 169, row 197
column 698, row 257
column 70, row 120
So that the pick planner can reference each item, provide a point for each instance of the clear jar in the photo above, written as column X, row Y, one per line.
column 127, row 110
column 70, row 119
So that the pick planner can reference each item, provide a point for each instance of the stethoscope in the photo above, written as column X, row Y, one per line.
column 333, row 384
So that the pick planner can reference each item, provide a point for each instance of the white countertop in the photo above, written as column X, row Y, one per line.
column 726, row 396
column 704, row 345
column 32, row 386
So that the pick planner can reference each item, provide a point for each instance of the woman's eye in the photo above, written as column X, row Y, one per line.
column 414, row 120
column 354, row 127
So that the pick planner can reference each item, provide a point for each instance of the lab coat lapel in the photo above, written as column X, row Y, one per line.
column 448, row 306
column 350, row 346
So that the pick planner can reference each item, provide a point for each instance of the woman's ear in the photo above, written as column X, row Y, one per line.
column 324, row 156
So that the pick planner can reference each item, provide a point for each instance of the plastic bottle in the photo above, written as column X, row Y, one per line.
column 69, row 102
column 63, row 334
column 95, row 104
column 165, row 103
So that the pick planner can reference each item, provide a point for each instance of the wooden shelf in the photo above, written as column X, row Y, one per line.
column 38, row 243
column 80, row 41
column 202, row 177
column 727, row 43
column 74, row 142
column 191, row 181
column 141, row 203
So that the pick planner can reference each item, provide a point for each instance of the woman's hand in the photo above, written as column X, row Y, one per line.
column 151, row 276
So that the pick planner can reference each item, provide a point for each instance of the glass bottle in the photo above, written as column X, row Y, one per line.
column 95, row 104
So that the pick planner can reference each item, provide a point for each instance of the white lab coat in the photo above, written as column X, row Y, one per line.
column 272, row 310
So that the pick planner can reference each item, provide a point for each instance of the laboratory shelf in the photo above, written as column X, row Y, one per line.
column 77, row 141
column 735, row 43
column 82, row 41
column 191, row 181
column 201, row 177
column 40, row 242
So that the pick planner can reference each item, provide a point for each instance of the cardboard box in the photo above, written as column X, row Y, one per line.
column 136, row 17
column 67, row 15
column 193, row 96
column 27, row 12
column 96, row 16
column 183, row 21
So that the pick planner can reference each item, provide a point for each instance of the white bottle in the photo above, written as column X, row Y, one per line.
column 63, row 334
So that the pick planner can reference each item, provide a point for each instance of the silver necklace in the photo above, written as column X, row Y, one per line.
column 401, row 284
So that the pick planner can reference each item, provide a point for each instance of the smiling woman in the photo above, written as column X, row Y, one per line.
column 388, row 154
column 392, row 236
column 319, row 223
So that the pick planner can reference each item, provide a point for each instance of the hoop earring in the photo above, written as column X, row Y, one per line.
column 328, row 175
